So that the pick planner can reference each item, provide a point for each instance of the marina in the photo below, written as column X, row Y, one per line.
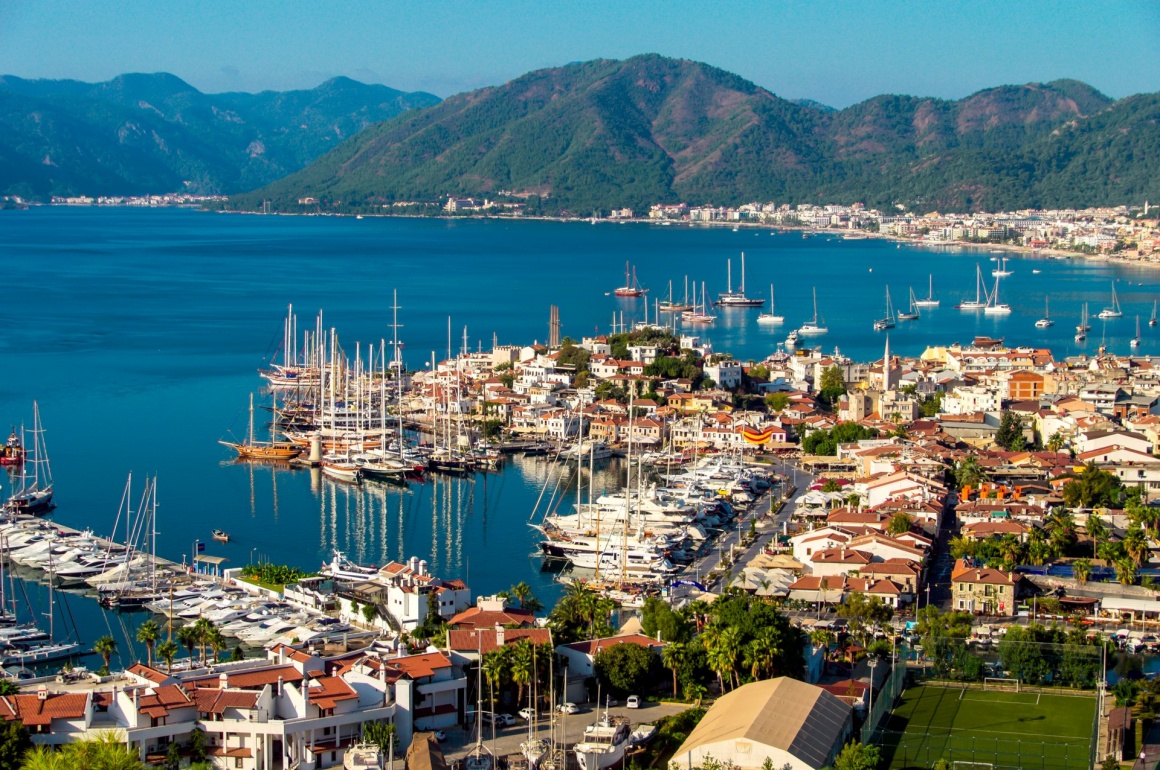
column 170, row 347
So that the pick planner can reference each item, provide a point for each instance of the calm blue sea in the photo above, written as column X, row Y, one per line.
column 140, row 333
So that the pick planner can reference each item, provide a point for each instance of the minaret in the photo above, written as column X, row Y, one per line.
column 886, row 366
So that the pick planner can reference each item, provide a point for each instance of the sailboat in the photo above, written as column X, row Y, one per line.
column 980, row 301
column 1084, row 327
column 911, row 314
column 630, row 288
column 930, row 301
column 1135, row 341
column 35, row 493
column 1113, row 310
column 1152, row 320
column 737, row 298
column 814, row 326
column 1001, row 271
column 1045, row 322
column 887, row 321
column 994, row 306
column 260, row 450
column 701, row 316
column 669, row 306
column 771, row 317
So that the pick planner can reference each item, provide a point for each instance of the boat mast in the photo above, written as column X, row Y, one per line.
column 742, row 287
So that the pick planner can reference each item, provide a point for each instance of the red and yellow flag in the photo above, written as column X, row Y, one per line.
column 756, row 437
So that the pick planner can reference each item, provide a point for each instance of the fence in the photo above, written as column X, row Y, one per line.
column 885, row 702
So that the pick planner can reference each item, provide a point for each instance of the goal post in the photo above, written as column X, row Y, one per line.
column 1008, row 684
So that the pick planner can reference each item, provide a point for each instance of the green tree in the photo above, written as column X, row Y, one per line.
column 167, row 651
column 203, row 628
column 195, row 746
column 1136, row 544
column 369, row 613
column 1096, row 530
column 1125, row 571
column 777, row 401
column 1055, row 442
column 382, row 734
column 762, row 654
column 673, row 657
column 832, row 386
column 969, row 473
column 148, row 633
column 14, row 744
column 657, row 618
column 626, row 668
column 1091, row 488
column 900, row 523
column 105, row 646
column 1082, row 569
column 522, row 593
column 216, row 641
column 187, row 637
column 856, row 756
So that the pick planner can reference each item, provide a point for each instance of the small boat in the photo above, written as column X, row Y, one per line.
column 1084, row 327
column 994, row 306
column 1135, row 341
column 1045, row 322
column 1151, row 322
column 815, row 326
column 887, row 321
column 1036, row 271
column 1001, row 271
column 630, row 288
column 930, row 300
column 912, row 313
column 263, row 450
column 221, row 536
column 791, row 340
column 771, row 317
column 1113, row 310
column 979, row 303
column 12, row 453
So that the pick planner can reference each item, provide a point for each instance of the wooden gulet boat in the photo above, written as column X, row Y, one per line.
column 263, row 450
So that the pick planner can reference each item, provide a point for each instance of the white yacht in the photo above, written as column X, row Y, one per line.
column 1113, row 310
column 981, row 297
column 771, row 317
column 994, row 306
column 930, row 300
column 604, row 744
column 815, row 326
column 1045, row 322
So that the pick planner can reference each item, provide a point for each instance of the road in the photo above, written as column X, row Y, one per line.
column 767, row 529
column 460, row 741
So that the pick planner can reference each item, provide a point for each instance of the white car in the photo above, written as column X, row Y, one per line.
column 568, row 708
column 633, row 702
column 526, row 714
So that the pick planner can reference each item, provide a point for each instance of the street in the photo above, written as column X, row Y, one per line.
column 460, row 741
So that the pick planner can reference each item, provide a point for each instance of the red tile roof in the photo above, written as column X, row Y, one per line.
column 594, row 646
column 217, row 701
column 484, row 639
column 326, row 691
column 31, row 710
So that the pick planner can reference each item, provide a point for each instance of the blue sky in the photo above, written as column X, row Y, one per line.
column 837, row 53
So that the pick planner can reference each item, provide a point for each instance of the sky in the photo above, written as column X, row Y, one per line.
column 838, row 53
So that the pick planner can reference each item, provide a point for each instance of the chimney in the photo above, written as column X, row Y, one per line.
column 423, row 567
column 224, row 679
column 136, row 697
column 279, row 690
column 499, row 635
column 42, row 693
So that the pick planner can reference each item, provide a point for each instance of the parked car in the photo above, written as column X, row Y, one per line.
column 568, row 708
column 526, row 714
column 633, row 702
column 507, row 720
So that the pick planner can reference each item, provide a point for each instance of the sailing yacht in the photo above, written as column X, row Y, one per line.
column 1152, row 320
column 630, row 288
column 994, row 306
column 1045, row 322
column 911, row 313
column 604, row 743
column 695, row 316
column 815, row 326
column 35, row 493
column 737, row 298
column 930, row 300
column 1084, row 326
column 669, row 306
column 771, row 317
column 980, row 302
column 259, row 450
column 1113, row 310
column 1001, row 271
column 1135, row 341
column 887, row 321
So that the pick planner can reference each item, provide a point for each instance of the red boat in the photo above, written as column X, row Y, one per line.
column 630, row 288
column 12, row 453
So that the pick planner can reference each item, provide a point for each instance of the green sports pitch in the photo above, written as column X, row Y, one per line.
column 979, row 729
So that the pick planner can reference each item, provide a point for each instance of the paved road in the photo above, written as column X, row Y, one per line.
column 767, row 530
column 508, row 739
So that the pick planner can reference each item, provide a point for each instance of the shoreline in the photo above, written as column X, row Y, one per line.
column 1026, row 251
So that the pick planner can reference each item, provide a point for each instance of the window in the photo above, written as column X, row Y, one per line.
column 238, row 762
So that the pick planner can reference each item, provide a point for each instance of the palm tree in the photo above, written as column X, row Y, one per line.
column 1096, row 530
column 761, row 653
column 110, row 751
column 673, row 656
column 148, row 633
column 44, row 758
column 167, row 651
column 1055, row 442
column 731, row 649
column 187, row 637
column 203, row 628
column 1136, row 543
column 711, row 640
column 522, row 667
column 105, row 647
column 1082, row 569
column 1126, row 571
column 969, row 473
column 522, row 593
column 216, row 641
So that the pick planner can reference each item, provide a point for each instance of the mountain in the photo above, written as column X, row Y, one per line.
column 603, row 134
column 156, row 133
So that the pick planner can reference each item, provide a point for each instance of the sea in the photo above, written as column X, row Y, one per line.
column 140, row 333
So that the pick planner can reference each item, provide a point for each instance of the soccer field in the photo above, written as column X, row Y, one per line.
column 1002, row 729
